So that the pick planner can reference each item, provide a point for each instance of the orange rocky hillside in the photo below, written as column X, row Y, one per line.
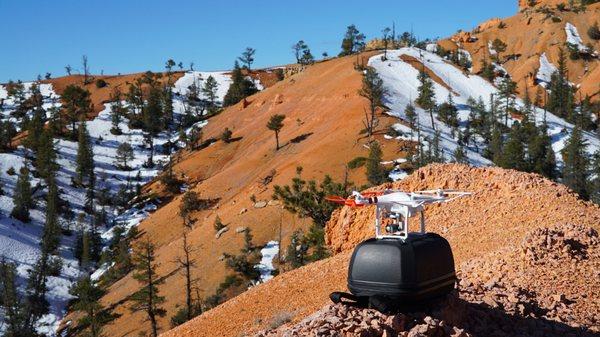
column 509, row 214
column 324, row 117
column 530, row 33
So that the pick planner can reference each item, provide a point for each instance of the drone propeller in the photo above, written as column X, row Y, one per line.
column 342, row 201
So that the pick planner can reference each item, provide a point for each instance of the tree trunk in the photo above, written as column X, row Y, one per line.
column 432, row 120
column 277, row 139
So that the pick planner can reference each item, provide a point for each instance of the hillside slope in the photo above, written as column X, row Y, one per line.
column 505, row 208
column 531, row 34
column 322, row 133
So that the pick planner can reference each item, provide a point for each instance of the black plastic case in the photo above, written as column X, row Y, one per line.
column 417, row 269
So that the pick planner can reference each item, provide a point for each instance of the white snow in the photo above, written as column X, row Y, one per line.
column 265, row 266
column 491, row 49
column 400, row 78
column 544, row 74
column 574, row 38
column 431, row 47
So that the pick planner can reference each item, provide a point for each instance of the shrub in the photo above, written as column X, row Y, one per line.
column 100, row 83
column 218, row 224
column 357, row 162
column 11, row 171
column 226, row 135
column 594, row 32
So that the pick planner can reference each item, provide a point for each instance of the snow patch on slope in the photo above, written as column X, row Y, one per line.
column 400, row 78
column 544, row 74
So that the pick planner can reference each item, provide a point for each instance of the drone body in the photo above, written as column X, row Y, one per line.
column 399, row 268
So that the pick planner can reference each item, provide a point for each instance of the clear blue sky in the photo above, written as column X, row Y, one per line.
column 134, row 35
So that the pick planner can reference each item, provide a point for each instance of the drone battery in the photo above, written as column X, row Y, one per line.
column 417, row 269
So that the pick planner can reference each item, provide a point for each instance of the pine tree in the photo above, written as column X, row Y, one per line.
column 187, row 263
column 13, row 308
column 123, row 156
column 576, row 164
column 152, row 116
column 513, row 153
column 147, row 299
column 411, row 116
column 189, row 203
column 376, row 173
column 85, row 154
column 426, row 98
column 374, row 91
column 240, row 87
column 87, row 300
column 299, row 49
column 247, row 57
column 448, row 113
column 7, row 132
column 494, row 151
column 460, row 156
column 117, row 111
column 36, row 303
column 541, row 155
column 353, row 42
column 45, row 161
column 499, row 46
column 51, row 234
column 561, row 98
column 22, row 196
column 508, row 89
column 77, row 104
column 275, row 124
column 209, row 90
column 487, row 70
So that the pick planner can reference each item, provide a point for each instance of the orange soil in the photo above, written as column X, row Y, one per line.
column 529, row 34
column 504, row 207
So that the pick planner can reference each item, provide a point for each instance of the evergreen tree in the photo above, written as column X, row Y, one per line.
column 117, row 111
column 13, row 307
column 541, row 155
column 209, row 90
column 45, row 161
column 240, row 87
column 7, row 132
column 275, row 124
column 460, row 156
column 22, row 196
column 187, row 263
column 36, row 303
column 487, row 70
column 494, row 151
column 51, row 234
column 77, row 104
column 561, row 98
column 247, row 57
column 513, row 153
column 299, row 49
column 376, row 173
column 123, row 156
column 307, row 198
column 448, row 113
column 426, row 98
column 411, row 116
column 499, row 46
column 152, row 116
column 226, row 135
column 576, row 164
column 35, row 127
column 87, row 300
column 508, row 89
column 147, row 299
column 374, row 91
column 307, row 57
column 85, row 154
column 353, row 42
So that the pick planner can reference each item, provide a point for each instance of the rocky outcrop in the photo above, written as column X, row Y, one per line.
column 530, row 289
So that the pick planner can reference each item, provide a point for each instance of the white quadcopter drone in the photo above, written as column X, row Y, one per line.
column 398, row 206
